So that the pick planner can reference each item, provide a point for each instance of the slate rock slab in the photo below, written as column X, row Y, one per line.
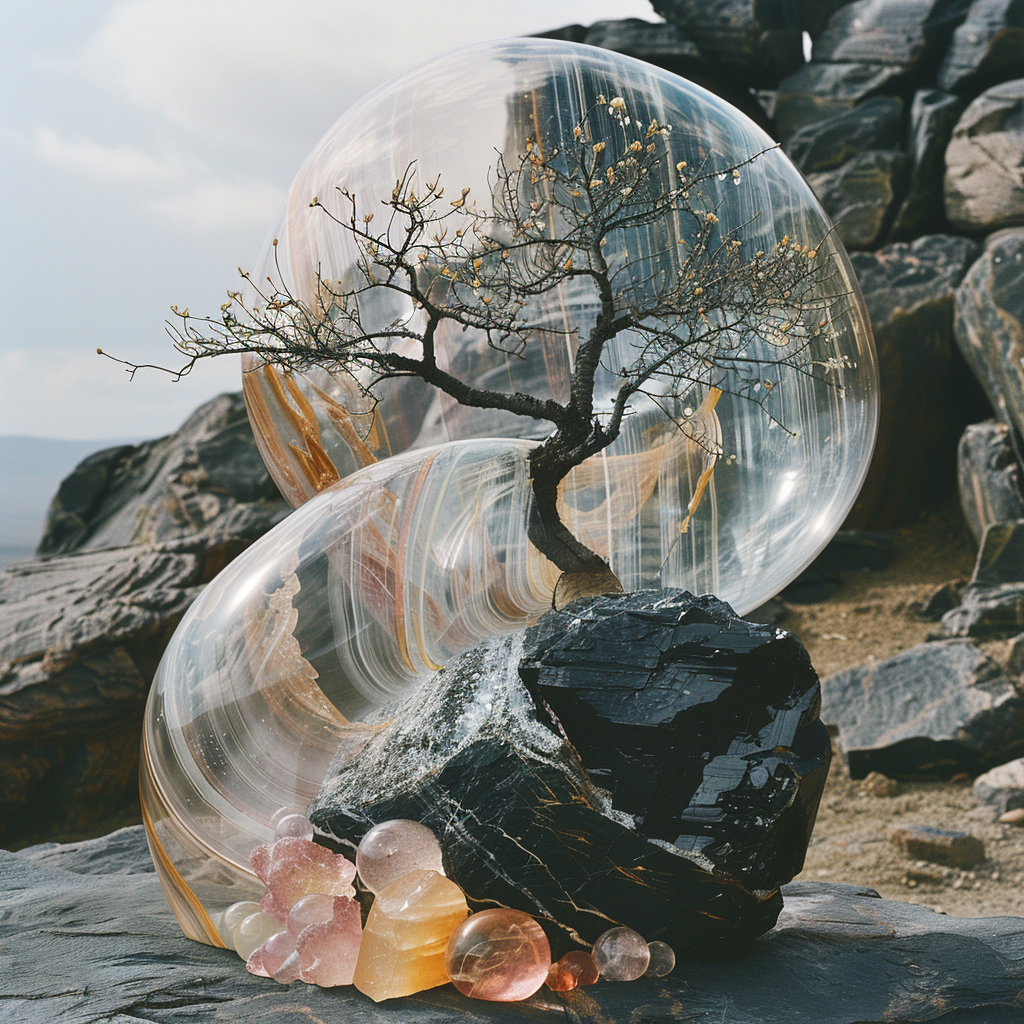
column 989, row 477
column 756, row 41
column 859, row 194
column 825, row 145
column 909, row 290
column 1002, row 788
column 80, row 638
column 932, row 711
column 987, row 48
column 206, row 483
column 989, row 324
column 933, row 115
column 648, row 759
column 987, row 612
column 938, row 845
column 985, row 162
column 86, row 936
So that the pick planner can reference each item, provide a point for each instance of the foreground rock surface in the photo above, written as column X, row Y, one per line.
column 655, row 762
column 95, row 916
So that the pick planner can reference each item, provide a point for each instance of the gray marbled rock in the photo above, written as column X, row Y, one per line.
column 987, row 48
column 1001, row 555
column 984, row 182
column 987, row 612
column 909, row 291
column 80, row 639
column 756, row 40
column 989, row 324
column 1002, row 788
column 859, row 195
column 205, row 482
column 989, row 477
column 85, row 939
column 933, row 115
column 934, row 710
column 826, row 145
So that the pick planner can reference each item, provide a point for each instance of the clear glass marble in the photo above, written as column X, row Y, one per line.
column 410, row 544
column 621, row 954
column 393, row 849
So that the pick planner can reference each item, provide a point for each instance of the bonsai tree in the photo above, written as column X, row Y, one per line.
column 553, row 216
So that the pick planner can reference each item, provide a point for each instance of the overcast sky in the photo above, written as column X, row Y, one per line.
column 146, row 147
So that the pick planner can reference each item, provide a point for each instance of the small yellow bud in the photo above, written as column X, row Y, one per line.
column 599, row 147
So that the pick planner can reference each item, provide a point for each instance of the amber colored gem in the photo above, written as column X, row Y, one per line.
column 575, row 968
column 403, row 945
column 501, row 955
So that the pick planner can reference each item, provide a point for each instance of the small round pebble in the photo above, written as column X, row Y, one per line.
column 392, row 849
column 276, row 951
column 663, row 960
column 1014, row 817
column 294, row 825
column 575, row 968
column 253, row 932
column 283, row 812
column 621, row 954
column 501, row 955
column 315, row 909
column 237, row 913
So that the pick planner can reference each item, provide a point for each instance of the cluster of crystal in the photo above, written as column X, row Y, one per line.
column 501, row 955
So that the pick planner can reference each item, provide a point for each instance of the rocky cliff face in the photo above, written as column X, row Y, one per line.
column 132, row 535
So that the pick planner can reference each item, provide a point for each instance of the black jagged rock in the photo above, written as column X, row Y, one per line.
column 650, row 760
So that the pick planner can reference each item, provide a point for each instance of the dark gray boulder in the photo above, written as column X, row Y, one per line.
column 859, row 195
column 1001, row 788
column 826, row 145
column 984, row 182
column 987, row 48
column 1001, row 555
column 80, row 640
column 819, row 91
column 206, row 482
column 989, row 477
column 933, row 115
column 86, row 936
column 757, row 41
column 909, row 290
column 647, row 759
column 989, row 324
column 987, row 612
column 934, row 710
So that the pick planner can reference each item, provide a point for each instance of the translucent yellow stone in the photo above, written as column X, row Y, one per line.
column 405, row 937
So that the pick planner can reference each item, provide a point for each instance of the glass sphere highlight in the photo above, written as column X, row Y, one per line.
column 410, row 545
column 500, row 955
column 393, row 849
column 621, row 954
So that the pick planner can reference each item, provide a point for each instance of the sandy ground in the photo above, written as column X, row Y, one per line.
column 872, row 615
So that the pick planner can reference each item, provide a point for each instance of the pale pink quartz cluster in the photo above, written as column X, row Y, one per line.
column 418, row 934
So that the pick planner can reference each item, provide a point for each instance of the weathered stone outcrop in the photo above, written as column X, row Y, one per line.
column 206, row 483
column 989, row 477
column 86, row 936
column 927, row 396
column 987, row 48
column 985, row 162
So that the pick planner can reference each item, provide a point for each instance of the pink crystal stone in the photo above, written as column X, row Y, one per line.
column 276, row 950
column 328, row 950
column 575, row 968
column 315, row 909
column 501, row 955
column 254, row 965
column 663, row 960
column 293, row 867
column 296, row 825
column 392, row 849
column 621, row 954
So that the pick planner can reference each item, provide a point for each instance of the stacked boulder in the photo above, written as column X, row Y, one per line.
column 131, row 537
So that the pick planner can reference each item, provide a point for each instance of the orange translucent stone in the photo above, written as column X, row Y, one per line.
column 403, row 945
column 575, row 968
column 501, row 955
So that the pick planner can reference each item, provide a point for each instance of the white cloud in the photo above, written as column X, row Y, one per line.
column 220, row 205
column 259, row 71
column 110, row 163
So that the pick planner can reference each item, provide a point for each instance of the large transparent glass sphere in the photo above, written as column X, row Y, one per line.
column 411, row 543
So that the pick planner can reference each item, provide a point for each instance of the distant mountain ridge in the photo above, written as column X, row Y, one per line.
column 31, row 469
